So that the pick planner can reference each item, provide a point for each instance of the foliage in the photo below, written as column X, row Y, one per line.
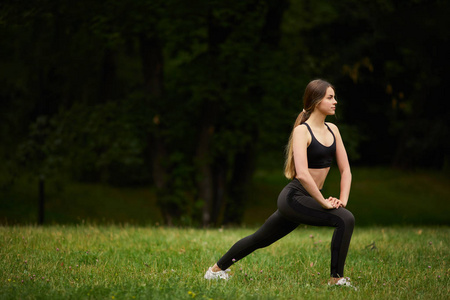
column 111, row 262
column 190, row 97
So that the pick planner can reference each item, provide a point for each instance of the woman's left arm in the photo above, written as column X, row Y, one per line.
column 343, row 165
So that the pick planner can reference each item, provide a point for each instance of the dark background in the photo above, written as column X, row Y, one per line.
column 190, row 98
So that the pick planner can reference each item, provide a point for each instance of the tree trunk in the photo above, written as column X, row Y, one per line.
column 271, row 33
column 220, row 186
column 244, row 163
column 203, row 160
column 152, row 64
column 207, row 189
column 152, row 67
column 107, row 89
column 238, row 190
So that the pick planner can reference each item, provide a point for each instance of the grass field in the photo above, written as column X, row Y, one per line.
column 128, row 262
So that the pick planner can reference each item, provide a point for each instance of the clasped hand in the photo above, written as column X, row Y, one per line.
column 332, row 202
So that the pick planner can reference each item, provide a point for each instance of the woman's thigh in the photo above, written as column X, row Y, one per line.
column 306, row 210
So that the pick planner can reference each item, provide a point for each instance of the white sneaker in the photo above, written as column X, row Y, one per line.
column 345, row 281
column 217, row 275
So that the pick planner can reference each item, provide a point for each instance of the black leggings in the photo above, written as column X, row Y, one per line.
column 296, row 206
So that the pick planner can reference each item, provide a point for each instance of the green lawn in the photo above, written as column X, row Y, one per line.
column 128, row 262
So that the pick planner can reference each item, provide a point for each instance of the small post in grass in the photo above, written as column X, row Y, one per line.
column 41, row 200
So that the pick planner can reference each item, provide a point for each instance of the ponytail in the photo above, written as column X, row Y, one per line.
column 289, row 164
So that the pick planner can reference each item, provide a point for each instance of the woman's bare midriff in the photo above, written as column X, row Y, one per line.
column 319, row 176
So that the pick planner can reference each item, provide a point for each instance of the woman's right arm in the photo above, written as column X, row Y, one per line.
column 300, row 145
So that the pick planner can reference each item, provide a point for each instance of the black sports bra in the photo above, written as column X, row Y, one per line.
column 320, row 156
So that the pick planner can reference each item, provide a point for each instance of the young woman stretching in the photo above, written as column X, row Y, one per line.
column 312, row 146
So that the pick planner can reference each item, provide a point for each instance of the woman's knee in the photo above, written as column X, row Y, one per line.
column 348, row 219
column 345, row 219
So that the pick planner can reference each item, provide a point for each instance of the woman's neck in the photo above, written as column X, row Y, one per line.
column 316, row 119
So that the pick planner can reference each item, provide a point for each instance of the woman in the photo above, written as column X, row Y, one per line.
column 312, row 146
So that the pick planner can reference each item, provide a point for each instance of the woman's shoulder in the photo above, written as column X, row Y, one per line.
column 301, row 128
column 332, row 126
column 301, row 131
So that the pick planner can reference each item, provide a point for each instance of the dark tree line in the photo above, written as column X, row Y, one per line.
column 191, row 96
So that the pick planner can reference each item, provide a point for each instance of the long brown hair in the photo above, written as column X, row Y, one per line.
column 315, row 91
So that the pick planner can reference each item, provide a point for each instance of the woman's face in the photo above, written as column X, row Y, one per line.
column 327, row 105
